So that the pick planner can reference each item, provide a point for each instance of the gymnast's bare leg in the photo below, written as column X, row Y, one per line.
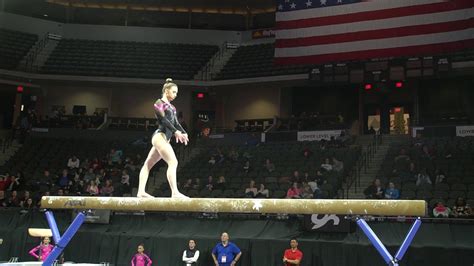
column 161, row 150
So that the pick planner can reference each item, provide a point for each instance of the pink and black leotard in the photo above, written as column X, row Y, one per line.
column 41, row 251
column 167, row 119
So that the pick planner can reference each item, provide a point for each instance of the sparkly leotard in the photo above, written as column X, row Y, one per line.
column 167, row 119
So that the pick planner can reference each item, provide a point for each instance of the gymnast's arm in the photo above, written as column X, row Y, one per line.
column 160, row 115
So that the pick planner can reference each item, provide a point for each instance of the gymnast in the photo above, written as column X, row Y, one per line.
column 41, row 252
column 168, row 126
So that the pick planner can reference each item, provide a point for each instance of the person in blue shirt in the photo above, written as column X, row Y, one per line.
column 391, row 192
column 226, row 253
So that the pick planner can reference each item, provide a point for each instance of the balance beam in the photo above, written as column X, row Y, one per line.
column 229, row 205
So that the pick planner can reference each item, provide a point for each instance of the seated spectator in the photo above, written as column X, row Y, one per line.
column 402, row 155
column 440, row 177
column 294, row 192
column 3, row 183
column 391, row 192
column 115, row 156
column 85, row 164
column 24, row 199
column 233, row 155
column 427, row 153
column 337, row 165
column 307, row 153
column 320, row 178
column 219, row 156
column 63, row 179
column 3, row 201
column 313, row 184
column 326, row 165
column 307, row 192
column 296, row 177
column 212, row 161
column 197, row 184
column 60, row 192
column 28, row 204
column 423, row 178
column 221, row 184
column 89, row 175
column 125, row 179
column 188, row 184
column 247, row 166
column 13, row 200
column 374, row 191
column 461, row 209
column 269, row 166
column 410, row 175
column 107, row 189
column 93, row 189
column 251, row 191
column 15, row 182
column 441, row 211
column 262, row 192
column 96, row 164
column 210, row 183
column 73, row 162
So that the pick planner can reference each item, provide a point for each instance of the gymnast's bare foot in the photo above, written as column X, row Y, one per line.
column 179, row 195
column 144, row 195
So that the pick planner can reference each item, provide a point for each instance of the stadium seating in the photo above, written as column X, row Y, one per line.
column 276, row 182
column 453, row 156
column 14, row 45
column 128, row 59
column 256, row 61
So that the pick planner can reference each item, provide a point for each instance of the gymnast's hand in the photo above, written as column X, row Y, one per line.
column 181, row 138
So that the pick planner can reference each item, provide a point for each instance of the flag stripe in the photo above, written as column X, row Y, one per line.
column 376, row 34
column 375, row 24
column 416, row 50
column 374, row 15
column 349, row 9
column 377, row 44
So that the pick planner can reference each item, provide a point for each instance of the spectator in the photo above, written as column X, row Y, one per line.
column 73, row 162
column 251, row 191
column 423, row 178
column 440, row 177
column 246, row 166
column 226, row 253
column 107, row 189
column 191, row 254
column 296, row 177
column 212, row 161
column 326, row 165
column 188, row 184
column 197, row 184
column 269, row 166
column 89, row 175
column 262, row 192
column 125, row 179
column 219, row 156
column 320, row 179
column 374, row 191
column 313, row 184
column 60, row 192
column 13, row 201
column 64, row 179
column 391, row 192
column 294, row 192
column 402, row 156
column 337, row 165
column 24, row 199
column 461, row 209
column 3, row 202
column 307, row 153
column 115, row 156
column 29, row 204
column 292, row 256
column 441, row 211
column 3, row 183
column 233, row 155
column 210, row 183
column 410, row 175
column 85, row 164
column 220, row 183
column 93, row 189
column 306, row 193
column 15, row 182
column 96, row 164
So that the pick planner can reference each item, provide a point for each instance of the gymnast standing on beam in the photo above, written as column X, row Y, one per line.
column 168, row 126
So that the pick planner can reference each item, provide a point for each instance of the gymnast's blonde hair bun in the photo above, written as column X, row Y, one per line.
column 169, row 80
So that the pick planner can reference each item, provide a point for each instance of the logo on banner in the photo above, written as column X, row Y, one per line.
column 465, row 131
column 318, row 223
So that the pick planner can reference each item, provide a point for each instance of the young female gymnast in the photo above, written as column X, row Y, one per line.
column 168, row 126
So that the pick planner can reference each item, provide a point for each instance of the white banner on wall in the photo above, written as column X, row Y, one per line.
column 318, row 135
column 465, row 131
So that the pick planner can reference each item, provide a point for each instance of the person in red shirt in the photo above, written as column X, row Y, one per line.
column 293, row 255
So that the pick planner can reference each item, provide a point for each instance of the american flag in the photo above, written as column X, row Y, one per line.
column 322, row 31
